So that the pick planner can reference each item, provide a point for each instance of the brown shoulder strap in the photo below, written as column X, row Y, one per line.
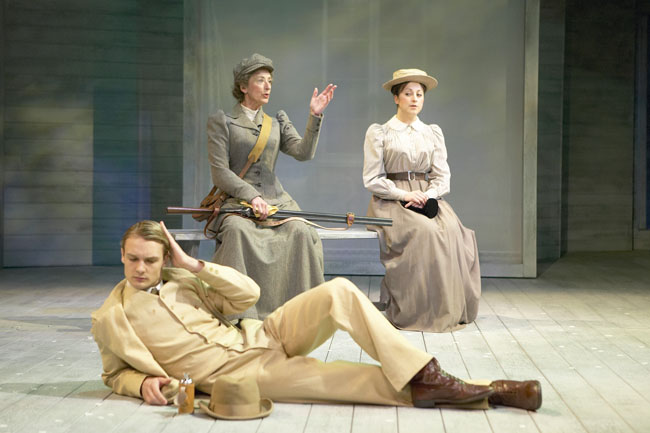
column 260, row 144
column 253, row 156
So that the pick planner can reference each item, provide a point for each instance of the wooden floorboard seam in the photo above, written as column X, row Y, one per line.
column 582, row 328
column 548, row 382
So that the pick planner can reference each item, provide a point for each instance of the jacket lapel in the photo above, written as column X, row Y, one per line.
column 239, row 118
column 113, row 327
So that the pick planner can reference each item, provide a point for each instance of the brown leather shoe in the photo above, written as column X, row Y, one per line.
column 522, row 394
column 432, row 385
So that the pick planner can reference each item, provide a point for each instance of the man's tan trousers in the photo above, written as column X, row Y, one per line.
column 307, row 321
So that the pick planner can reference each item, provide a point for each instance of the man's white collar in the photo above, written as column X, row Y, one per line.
column 157, row 287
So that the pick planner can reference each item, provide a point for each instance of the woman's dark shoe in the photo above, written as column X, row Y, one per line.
column 432, row 385
column 521, row 394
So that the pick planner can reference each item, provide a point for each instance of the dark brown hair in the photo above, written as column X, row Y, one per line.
column 397, row 88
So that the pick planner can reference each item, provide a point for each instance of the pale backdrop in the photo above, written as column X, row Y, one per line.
column 474, row 48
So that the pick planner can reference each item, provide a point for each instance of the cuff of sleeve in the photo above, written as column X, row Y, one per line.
column 314, row 122
column 202, row 267
column 208, row 270
column 400, row 194
column 249, row 197
column 132, row 384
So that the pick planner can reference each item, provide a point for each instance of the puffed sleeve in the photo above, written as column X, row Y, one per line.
column 291, row 143
column 440, row 176
column 218, row 155
column 374, row 172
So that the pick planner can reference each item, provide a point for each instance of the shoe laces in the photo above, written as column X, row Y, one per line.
column 451, row 376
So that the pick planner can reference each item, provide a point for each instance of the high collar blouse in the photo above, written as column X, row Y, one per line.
column 249, row 112
column 396, row 147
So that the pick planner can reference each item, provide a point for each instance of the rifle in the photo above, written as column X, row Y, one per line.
column 280, row 214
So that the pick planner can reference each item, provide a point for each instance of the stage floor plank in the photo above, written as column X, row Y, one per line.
column 582, row 329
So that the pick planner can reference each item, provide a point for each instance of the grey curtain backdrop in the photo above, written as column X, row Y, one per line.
column 476, row 50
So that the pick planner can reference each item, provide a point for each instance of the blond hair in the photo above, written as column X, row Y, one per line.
column 148, row 230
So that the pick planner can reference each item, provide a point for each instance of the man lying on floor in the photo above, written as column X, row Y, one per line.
column 162, row 322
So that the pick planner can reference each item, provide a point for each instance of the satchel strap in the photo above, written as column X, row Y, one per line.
column 260, row 144
column 265, row 132
column 253, row 156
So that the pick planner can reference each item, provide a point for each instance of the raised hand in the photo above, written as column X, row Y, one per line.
column 319, row 102
column 179, row 258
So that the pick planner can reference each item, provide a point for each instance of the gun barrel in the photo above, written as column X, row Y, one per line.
column 280, row 214
column 333, row 218
column 186, row 210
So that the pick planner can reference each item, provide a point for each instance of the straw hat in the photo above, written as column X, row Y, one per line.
column 236, row 399
column 407, row 75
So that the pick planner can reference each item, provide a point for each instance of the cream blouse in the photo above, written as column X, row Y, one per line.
column 397, row 147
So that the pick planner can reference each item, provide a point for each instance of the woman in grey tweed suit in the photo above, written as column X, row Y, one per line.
column 285, row 260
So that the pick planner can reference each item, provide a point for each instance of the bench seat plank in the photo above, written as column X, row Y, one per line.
column 354, row 233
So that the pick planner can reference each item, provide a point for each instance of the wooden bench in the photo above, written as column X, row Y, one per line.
column 189, row 239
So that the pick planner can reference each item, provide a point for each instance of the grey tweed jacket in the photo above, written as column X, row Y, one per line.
column 232, row 136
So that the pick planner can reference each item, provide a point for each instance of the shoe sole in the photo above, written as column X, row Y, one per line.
column 432, row 403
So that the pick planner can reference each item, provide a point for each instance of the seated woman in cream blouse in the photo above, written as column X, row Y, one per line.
column 433, row 280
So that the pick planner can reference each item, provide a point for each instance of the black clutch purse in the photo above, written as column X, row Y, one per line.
column 430, row 209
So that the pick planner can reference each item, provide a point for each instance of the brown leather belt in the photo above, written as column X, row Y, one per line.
column 407, row 175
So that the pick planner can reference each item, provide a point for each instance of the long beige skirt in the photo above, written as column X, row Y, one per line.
column 433, row 279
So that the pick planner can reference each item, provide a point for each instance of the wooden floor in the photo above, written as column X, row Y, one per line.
column 582, row 329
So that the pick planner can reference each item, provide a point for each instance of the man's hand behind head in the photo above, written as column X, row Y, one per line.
column 179, row 258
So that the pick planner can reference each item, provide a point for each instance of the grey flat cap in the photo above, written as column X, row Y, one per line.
column 250, row 64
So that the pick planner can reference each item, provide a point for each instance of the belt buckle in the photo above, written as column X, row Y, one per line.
column 408, row 175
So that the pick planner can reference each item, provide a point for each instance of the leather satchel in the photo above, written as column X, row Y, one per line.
column 215, row 198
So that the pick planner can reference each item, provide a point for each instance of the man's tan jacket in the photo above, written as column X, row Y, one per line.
column 214, row 292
